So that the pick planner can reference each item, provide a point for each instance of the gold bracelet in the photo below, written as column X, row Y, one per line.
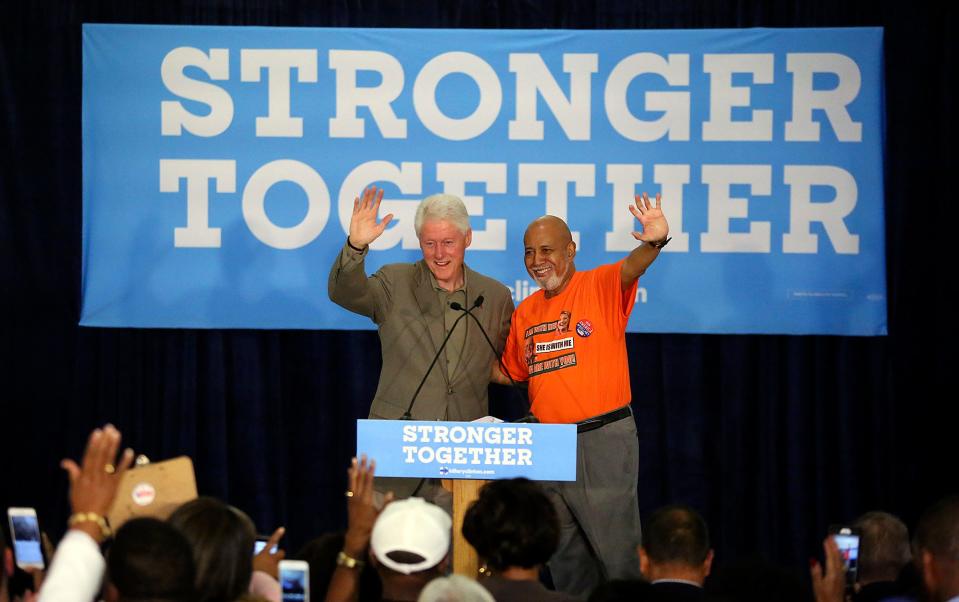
column 91, row 517
column 346, row 561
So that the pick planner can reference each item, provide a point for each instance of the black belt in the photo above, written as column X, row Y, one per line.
column 596, row 422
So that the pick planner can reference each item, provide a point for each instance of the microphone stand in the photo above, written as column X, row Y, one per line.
column 469, row 312
column 407, row 415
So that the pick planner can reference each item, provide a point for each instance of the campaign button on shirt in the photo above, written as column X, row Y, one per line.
column 584, row 328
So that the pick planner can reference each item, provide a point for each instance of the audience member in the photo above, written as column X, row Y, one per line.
column 515, row 530
column 675, row 555
column 936, row 550
column 455, row 588
column 321, row 554
column 409, row 546
column 883, row 555
column 77, row 568
column 624, row 590
column 149, row 560
column 221, row 538
column 407, row 541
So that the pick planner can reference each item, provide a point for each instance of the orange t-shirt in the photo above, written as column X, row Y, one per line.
column 572, row 347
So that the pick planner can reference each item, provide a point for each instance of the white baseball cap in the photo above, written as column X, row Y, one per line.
column 413, row 526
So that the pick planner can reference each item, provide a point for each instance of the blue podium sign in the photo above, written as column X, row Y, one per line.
column 469, row 450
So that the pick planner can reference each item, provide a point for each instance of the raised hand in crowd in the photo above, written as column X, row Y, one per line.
column 267, row 560
column 362, row 512
column 94, row 483
column 828, row 580
column 78, row 567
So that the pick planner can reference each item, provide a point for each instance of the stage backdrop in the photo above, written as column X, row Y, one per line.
column 220, row 166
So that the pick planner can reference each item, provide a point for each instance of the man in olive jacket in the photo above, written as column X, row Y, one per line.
column 410, row 304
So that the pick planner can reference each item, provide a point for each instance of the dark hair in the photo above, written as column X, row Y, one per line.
column 513, row 523
column 321, row 555
column 938, row 529
column 151, row 560
column 221, row 537
column 676, row 534
column 883, row 547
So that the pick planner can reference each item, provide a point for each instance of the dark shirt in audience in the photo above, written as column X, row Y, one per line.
column 512, row 590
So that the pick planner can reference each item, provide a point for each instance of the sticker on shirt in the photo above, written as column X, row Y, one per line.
column 558, row 345
column 560, row 325
column 554, row 363
column 584, row 328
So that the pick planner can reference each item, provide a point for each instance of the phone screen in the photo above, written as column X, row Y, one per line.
column 26, row 540
column 259, row 544
column 849, row 552
column 295, row 584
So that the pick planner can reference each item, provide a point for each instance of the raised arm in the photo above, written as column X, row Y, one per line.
column 364, row 228
column 654, row 237
column 348, row 285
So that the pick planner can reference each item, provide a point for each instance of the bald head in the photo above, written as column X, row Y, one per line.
column 549, row 253
column 551, row 225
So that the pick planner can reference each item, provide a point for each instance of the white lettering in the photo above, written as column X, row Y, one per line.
column 804, row 66
column 532, row 77
column 454, row 177
column 674, row 105
column 197, row 174
column 558, row 177
column 803, row 211
column 173, row 116
column 724, row 207
column 254, row 204
column 278, row 63
column 377, row 99
column 723, row 96
column 424, row 95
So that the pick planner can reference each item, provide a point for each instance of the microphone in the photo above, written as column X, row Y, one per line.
column 479, row 301
column 469, row 312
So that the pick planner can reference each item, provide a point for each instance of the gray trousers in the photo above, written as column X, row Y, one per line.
column 599, row 512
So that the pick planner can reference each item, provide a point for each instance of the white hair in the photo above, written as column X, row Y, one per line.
column 455, row 588
column 445, row 207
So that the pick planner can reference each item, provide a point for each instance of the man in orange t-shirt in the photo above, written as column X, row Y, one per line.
column 568, row 340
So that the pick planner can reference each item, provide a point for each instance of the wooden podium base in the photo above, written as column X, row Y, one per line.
column 465, row 491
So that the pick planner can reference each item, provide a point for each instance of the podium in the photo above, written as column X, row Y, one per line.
column 465, row 492
column 464, row 455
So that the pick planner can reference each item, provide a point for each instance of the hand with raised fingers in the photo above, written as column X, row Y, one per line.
column 360, row 506
column 829, row 582
column 651, row 217
column 364, row 228
column 267, row 560
column 94, row 482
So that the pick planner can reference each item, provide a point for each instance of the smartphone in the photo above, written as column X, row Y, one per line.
column 25, row 531
column 260, row 543
column 847, row 539
column 295, row 580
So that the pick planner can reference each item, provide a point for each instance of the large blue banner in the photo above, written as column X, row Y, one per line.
column 220, row 165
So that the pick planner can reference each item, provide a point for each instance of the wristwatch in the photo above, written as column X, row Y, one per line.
column 345, row 560
column 660, row 244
